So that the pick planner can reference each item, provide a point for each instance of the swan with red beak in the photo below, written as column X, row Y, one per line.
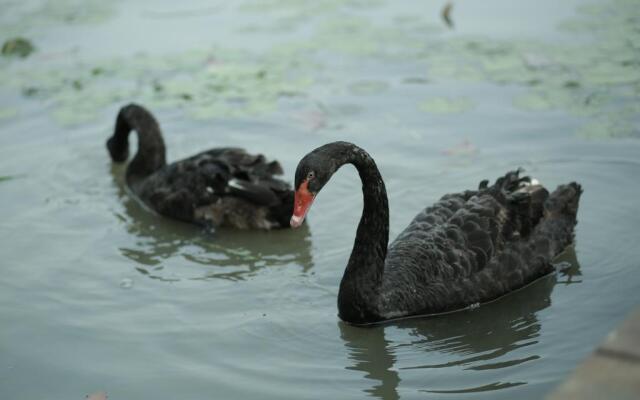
column 468, row 248
column 313, row 172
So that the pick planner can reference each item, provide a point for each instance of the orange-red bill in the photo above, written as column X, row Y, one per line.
column 301, row 204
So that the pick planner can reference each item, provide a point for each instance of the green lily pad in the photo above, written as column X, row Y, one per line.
column 17, row 47
column 609, row 127
column 5, row 178
column 368, row 88
column 8, row 112
column 592, row 78
column 444, row 105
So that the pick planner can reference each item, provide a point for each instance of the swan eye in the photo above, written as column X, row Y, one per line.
column 311, row 175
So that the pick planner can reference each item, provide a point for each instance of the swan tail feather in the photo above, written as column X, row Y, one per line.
column 564, row 201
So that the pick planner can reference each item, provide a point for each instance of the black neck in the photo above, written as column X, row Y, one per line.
column 358, row 299
column 151, row 151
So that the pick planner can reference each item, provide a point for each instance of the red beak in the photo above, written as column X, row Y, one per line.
column 301, row 204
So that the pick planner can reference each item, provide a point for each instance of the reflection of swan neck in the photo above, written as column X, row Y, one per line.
column 371, row 354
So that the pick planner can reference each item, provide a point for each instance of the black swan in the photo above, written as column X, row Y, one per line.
column 218, row 187
column 466, row 249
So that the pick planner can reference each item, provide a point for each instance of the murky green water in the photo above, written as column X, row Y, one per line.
column 97, row 294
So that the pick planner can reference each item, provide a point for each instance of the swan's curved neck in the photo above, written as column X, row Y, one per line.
column 151, row 150
column 358, row 299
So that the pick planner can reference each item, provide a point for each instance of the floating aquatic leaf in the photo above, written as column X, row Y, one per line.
column 6, row 178
column 328, row 7
column 444, row 105
column 182, row 13
column 607, row 73
column 368, row 88
column 591, row 78
column 97, row 396
column 465, row 148
column 75, row 11
column 17, row 47
column 543, row 100
column 609, row 127
column 416, row 80
column 313, row 120
column 77, row 114
column 54, row 12
column 8, row 112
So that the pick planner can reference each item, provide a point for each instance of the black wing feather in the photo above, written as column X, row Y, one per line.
column 478, row 245
column 205, row 178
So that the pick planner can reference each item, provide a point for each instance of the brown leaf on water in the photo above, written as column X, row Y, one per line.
column 446, row 14
column 465, row 148
column 313, row 120
column 97, row 396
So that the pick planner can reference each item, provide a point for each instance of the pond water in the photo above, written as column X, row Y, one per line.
column 99, row 294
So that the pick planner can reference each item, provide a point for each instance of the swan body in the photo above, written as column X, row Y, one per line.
column 218, row 187
column 468, row 248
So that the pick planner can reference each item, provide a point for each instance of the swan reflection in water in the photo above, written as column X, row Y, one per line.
column 223, row 254
column 483, row 340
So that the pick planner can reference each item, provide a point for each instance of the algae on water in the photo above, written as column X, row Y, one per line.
column 591, row 79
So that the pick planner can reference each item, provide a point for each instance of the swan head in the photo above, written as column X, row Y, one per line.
column 313, row 172
column 119, row 151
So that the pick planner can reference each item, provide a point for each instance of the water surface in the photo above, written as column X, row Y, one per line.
column 99, row 294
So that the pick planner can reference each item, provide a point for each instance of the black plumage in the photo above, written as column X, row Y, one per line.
column 467, row 248
column 218, row 187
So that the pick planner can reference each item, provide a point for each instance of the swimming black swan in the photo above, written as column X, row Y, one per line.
column 218, row 187
column 466, row 249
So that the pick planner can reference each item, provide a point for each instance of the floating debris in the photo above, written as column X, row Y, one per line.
column 446, row 14
column 126, row 283
column 97, row 396
column 17, row 47
column 313, row 120
column 466, row 148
